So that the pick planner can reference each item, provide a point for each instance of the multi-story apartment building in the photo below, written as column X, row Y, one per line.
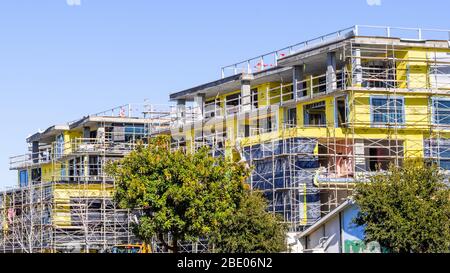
column 316, row 117
column 311, row 119
column 63, row 202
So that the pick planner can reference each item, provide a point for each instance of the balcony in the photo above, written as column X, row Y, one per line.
column 77, row 147
column 28, row 160
column 373, row 76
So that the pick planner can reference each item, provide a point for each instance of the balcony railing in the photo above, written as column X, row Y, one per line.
column 77, row 146
column 27, row 160
column 156, row 113
column 436, row 79
column 313, row 87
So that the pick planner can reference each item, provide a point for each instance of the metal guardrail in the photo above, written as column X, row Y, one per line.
column 402, row 32
column 73, row 147
column 270, row 60
column 135, row 110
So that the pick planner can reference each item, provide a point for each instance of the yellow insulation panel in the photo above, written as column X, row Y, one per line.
column 62, row 211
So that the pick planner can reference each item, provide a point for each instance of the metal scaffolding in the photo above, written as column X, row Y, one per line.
column 390, row 102
column 369, row 102
column 66, row 203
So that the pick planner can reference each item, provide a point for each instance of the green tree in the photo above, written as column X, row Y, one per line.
column 406, row 209
column 187, row 195
column 252, row 229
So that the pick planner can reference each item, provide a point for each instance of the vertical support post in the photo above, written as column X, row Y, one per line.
column 281, row 93
column 357, row 68
column 359, row 153
column 331, row 72
column 199, row 105
column 408, row 74
column 297, row 76
column 246, row 99
column 35, row 151
column 181, row 111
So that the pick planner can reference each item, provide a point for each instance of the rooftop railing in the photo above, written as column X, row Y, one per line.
column 136, row 110
column 270, row 60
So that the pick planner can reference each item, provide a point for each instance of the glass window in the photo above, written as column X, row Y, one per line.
column 387, row 110
column 59, row 146
column 23, row 178
column 438, row 151
column 441, row 111
column 134, row 132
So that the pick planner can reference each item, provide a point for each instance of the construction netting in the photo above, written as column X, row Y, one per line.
column 284, row 171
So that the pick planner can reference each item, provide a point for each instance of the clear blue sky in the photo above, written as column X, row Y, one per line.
column 59, row 62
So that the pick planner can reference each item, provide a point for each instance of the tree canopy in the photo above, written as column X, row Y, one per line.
column 187, row 195
column 192, row 196
column 251, row 229
column 407, row 209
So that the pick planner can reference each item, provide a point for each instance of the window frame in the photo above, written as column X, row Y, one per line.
column 306, row 115
column 433, row 113
column 336, row 112
column 374, row 124
column 288, row 118
column 23, row 178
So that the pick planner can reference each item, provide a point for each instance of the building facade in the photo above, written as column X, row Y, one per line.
column 316, row 117
column 64, row 199
column 311, row 119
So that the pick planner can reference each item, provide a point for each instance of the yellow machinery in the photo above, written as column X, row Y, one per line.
column 131, row 249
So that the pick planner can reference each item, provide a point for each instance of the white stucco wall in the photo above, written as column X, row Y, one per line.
column 330, row 230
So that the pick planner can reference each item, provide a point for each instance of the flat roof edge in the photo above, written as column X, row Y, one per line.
column 198, row 88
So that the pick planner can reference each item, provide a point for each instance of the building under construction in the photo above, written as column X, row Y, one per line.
column 63, row 201
column 312, row 120
column 316, row 117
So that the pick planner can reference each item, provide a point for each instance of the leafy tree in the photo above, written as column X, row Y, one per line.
column 187, row 195
column 406, row 209
column 252, row 229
